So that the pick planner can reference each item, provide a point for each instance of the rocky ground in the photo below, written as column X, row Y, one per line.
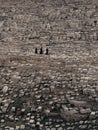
column 58, row 91
column 48, row 92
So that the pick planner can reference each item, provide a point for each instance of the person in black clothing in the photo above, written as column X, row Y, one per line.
column 41, row 50
column 47, row 51
column 36, row 51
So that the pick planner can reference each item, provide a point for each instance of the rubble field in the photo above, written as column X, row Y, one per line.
column 43, row 92
column 57, row 90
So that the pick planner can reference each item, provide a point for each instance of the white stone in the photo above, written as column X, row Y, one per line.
column 22, row 127
column 5, row 89
column 31, row 121
column 13, row 108
column 23, row 110
column 11, row 128
column 17, row 127
column 93, row 113
column 32, row 117
column 2, row 121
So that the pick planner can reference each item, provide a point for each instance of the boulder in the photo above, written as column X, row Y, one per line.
column 71, row 115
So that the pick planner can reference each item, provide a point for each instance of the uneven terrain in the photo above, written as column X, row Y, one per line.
column 58, row 91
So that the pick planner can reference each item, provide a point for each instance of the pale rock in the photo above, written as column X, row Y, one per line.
column 5, row 89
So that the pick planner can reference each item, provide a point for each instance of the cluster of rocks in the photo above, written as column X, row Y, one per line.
column 43, row 97
column 54, row 92
column 27, row 24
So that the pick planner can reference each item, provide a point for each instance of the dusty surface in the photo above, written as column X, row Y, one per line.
column 58, row 91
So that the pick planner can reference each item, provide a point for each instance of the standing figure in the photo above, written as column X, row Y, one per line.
column 47, row 51
column 41, row 50
column 36, row 51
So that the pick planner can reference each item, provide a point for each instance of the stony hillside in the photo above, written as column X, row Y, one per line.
column 57, row 91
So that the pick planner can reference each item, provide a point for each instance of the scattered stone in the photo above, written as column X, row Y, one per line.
column 5, row 89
